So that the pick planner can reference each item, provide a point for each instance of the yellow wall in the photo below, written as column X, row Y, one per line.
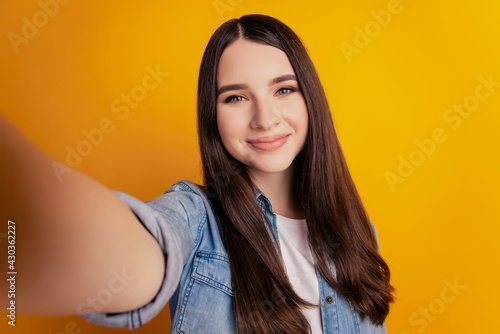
column 428, row 174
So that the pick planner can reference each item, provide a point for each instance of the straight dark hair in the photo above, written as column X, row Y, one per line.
column 339, row 229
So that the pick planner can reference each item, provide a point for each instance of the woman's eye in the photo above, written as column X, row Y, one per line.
column 234, row 98
column 285, row 91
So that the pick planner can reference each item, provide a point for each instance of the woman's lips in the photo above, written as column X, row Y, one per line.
column 268, row 143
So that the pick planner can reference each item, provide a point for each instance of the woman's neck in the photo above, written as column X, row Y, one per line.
column 278, row 187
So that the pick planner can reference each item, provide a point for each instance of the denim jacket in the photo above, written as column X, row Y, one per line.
column 198, row 279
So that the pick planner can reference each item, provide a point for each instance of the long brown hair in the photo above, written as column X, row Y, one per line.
column 339, row 229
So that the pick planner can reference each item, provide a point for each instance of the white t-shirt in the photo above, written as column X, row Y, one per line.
column 299, row 263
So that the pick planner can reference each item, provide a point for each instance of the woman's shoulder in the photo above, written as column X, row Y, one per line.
column 186, row 186
column 183, row 197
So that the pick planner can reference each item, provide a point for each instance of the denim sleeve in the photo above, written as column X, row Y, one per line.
column 168, row 219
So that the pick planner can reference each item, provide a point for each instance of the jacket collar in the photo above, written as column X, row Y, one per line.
column 262, row 199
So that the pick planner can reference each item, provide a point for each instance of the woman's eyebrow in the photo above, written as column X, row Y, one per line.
column 282, row 78
column 274, row 81
column 227, row 88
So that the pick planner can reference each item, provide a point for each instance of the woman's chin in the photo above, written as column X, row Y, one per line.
column 274, row 167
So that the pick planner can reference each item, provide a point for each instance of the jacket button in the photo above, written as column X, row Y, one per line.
column 329, row 299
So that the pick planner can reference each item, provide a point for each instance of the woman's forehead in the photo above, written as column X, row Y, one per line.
column 244, row 61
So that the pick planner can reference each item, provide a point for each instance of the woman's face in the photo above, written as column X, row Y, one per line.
column 261, row 114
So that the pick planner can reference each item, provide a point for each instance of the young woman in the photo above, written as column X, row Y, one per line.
column 277, row 241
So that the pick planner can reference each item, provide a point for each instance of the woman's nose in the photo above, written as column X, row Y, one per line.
column 265, row 116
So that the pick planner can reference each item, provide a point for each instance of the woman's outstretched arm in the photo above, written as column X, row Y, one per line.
column 76, row 243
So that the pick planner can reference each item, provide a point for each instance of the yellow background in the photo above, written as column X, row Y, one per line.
column 437, row 226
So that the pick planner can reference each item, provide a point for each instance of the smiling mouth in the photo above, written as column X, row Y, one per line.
column 269, row 143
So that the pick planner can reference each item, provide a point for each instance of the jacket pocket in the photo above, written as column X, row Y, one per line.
column 213, row 269
column 206, row 304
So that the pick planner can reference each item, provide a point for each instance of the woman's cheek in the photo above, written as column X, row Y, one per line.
column 231, row 126
column 296, row 111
